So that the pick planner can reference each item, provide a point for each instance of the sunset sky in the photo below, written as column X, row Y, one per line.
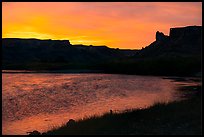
column 125, row 25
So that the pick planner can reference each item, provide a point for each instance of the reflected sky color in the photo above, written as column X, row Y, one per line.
column 41, row 101
column 115, row 24
column 46, row 100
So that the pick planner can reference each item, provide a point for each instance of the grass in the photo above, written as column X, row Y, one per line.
column 176, row 118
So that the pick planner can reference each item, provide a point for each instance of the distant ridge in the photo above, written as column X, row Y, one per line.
column 34, row 53
column 176, row 54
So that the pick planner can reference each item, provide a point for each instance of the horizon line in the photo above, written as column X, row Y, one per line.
column 72, row 44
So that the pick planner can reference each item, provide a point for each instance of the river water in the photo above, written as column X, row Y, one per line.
column 41, row 101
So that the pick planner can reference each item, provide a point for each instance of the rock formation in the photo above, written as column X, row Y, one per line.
column 160, row 36
column 185, row 32
column 71, row 122
column 181, row 41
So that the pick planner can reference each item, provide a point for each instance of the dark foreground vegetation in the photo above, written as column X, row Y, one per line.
column 176, row 118
column 166, row 66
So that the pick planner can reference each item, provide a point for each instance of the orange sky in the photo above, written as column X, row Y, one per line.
column 125, row 25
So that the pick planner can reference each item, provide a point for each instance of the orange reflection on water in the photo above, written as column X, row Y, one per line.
column 42, row 101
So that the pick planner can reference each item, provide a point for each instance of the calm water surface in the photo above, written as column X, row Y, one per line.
column 37, row 101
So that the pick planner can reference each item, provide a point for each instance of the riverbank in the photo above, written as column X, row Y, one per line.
column 176, row 118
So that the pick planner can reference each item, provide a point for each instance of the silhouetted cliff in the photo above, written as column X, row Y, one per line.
column 176, row 54
column 183, row 41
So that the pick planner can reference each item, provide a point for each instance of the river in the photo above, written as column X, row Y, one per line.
column 41, row 101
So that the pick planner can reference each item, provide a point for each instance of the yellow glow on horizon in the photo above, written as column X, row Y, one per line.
column 27, row 35
column 86, row 42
